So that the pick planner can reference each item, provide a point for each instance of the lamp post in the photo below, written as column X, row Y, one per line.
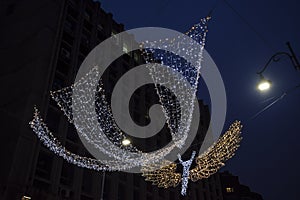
column 265, row 84
column 102, row 185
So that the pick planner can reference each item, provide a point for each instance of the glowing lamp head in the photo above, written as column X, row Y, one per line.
column 126, row 142
column 264, row 84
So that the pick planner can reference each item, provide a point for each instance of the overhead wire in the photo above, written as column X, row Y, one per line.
column 280, row 97
column 266, row 42
column 277, row 99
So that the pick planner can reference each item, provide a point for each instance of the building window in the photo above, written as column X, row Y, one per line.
column 136, row 194
column 217, row 192
column 41, row 185
column 172, row 196
column 87, row 15
column 72, row 134
column 74, row 2
column 121, row 191
column 203, row 184
column 68, row 38
column 70, row 24
column 100, row 32
column 44, row 165
column 53, row 120
column 101, row 36
column 204, row 196
column 72, row 12
column 84, row 197
column 87, row 25
column 122, row 176
column 197, row 194
column 106, row 189
column 80, row 60
column 85, row 38
column 86, row 182
column 150, row 197
column 99, row 27
column 136, row 180
column 126, row 57
column 149, row 187
column 67, row 174
column 229, row 190
column 66, row 193
column 210, row 188
column 62, row 67
column 161, row 193
column 10, row 9
column 84, row 49
column 58, row 83
column 70, row 146
column 65, row 53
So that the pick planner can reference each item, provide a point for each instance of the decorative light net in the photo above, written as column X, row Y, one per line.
column 180, row 77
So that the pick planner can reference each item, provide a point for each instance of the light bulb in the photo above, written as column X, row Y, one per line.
column 126, row 142
column 264, row 85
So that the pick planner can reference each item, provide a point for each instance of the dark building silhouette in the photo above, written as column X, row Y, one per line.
column 43, row 44
column 233, row 190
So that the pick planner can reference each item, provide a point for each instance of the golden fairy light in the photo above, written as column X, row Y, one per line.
column 208, row 162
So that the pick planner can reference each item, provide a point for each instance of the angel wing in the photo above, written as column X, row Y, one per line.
column 208, row 163
column 213, row 159
column 163, row 175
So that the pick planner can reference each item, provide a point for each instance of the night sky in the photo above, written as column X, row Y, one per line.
column 268, row 160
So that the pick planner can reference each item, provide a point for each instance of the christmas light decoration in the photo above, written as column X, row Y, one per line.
column 107, row 138
column 181, row 78
column 185, row 174
column 47, row 138
column 208, row 163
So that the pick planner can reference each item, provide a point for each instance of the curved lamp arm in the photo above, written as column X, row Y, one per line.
column 276, row 57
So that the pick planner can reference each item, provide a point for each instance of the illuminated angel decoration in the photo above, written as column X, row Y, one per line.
column 207, row 163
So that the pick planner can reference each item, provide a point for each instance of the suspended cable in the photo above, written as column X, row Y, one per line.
column 275, row 101
column 250, row 26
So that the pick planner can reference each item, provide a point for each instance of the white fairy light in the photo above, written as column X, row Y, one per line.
column 47, row 138
column 107, row 137
column 185, row 174
column 179, row 125
column 126, row 142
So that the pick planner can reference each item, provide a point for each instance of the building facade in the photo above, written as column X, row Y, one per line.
column 233, row 190
column 43, row 45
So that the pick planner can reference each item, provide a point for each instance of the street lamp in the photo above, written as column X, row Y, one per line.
column 265, row 84
column 25, row 198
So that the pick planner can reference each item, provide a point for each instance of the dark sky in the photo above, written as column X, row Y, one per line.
column 268, row 160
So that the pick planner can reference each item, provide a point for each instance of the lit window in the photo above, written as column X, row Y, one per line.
column 229, row 190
